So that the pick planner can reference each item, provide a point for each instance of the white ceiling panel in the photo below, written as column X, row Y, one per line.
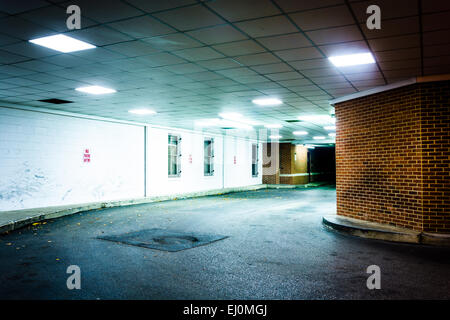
column 191, row 60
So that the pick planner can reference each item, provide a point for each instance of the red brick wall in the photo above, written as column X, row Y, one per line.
column 271, row 174
column 392, row 157
column 435, row 99
column 285, row 162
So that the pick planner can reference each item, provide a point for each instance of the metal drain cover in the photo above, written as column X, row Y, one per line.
column 164, row 240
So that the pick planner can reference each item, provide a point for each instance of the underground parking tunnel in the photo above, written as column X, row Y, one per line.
column 224, row 150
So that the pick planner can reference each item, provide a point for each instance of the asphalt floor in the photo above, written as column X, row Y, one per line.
column 276, row 248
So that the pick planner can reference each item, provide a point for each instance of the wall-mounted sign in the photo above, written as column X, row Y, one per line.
column 234, row 159
column 86, row 156
column 190, row 158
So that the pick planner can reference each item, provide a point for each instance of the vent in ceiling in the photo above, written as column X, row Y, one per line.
column 292, row 120
column 56, row 101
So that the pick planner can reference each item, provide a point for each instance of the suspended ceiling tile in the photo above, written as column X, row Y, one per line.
column 394, row 27
column 198, row 54
column 105, row 10
column 272, row 68
column 400, row 54
column 398, row 42
column 7, row 57
column 237, row 72
column 320, row 72
column 142, row 27
column 389, row 9
column 152, row 6
column 219, row 64
column 287, row 41
column 258, row 59
column 184, row 68
column 234, row 10
column 335, row 35
column 296, row 5
column 402, row 73
column 99, row 36
column 400, row 64
column 217, row 34
column 190, row 18
column 132, row 48
column 66, row 60
column 239, row 48
column 23, row 29
column 5, row 40
column 267, row 26
column 171, row 42
column 436, row 21
column 437, row 61
column 98, row 55
column 29, row 50
column 323, row 18
column 364, row 76
column 15, row 7
column 284, row 76
column 311, row 64
column 299, row 54
column 54, row 18
column 429, row 6
column 435, row 51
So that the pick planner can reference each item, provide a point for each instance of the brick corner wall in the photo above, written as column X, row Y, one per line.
column 393, row 157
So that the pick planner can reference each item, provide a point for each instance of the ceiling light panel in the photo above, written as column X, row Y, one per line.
column 267, row 102
column 95, row 90
column 62, row 43
column 352, row 59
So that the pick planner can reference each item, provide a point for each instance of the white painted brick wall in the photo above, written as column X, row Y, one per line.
column 42, row 161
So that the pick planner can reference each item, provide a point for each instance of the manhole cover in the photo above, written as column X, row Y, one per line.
column 164, row 240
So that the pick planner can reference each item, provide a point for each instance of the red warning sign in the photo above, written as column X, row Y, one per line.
column 234, row 160
column 86, row 156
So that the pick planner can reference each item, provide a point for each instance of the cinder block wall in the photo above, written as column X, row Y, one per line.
column 393, row 157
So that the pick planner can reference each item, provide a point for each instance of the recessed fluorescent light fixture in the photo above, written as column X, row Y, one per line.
column 319, row 138
column 352, row 59
column 332, row 134
column 273, row 126
column 318, row 119
column 267, row 102
column 330, row 128
column 300, row 133
column 95, row 90
column 62, row 43
column 142, row 111
column 275, row 137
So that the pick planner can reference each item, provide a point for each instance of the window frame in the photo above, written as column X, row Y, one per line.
column 177, row 138
column 210, row 157
column 255, row 164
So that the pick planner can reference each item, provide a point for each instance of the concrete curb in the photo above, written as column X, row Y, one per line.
column 372, row 230
column 30, row 216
